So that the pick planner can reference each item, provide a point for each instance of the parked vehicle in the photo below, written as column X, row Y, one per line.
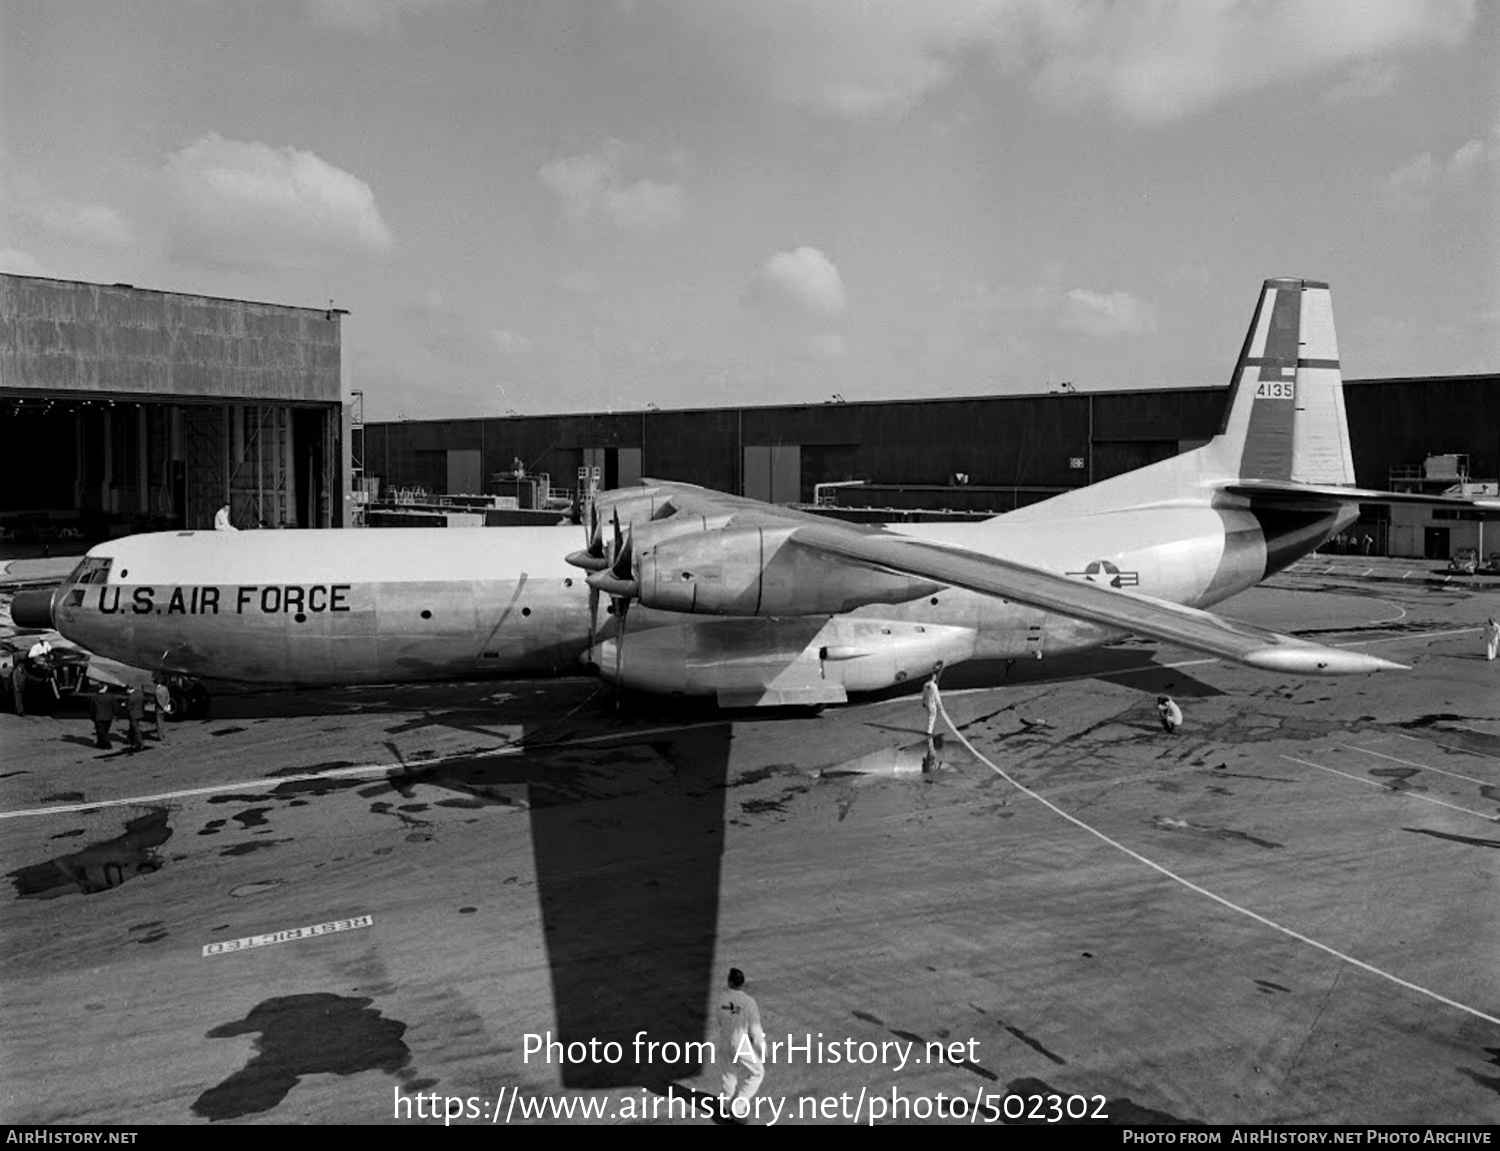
column 1465, row 561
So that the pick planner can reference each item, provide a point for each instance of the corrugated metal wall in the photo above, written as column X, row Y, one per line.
column 1000, row 441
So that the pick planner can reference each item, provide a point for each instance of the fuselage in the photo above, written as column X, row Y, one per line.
column 391, row 605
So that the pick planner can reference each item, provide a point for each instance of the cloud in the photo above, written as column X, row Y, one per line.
column 1143, row 61
column 1106, row 314
column 95, row 224
column 91, row 223
column 801, row 286
column 21, row 263
column 592, row 186
column 249, row 204
column 1415, row 183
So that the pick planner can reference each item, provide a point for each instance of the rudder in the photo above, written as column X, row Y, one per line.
column 1285, row 420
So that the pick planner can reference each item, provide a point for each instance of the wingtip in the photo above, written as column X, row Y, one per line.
column 1319, row 661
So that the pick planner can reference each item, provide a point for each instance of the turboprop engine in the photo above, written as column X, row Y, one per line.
column 757, row 571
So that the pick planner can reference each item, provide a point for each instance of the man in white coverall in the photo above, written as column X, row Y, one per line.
column 741, row 1047
column 930, row 698
column 221, row 521
column 1171, row 714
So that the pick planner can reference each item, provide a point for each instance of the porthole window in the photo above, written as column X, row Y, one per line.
column 426, row 614
column 525, row 611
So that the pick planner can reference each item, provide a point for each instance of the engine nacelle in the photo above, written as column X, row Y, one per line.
column 806, row 660
column 762, row 572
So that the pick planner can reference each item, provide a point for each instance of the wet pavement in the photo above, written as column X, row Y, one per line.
column 1285, row 912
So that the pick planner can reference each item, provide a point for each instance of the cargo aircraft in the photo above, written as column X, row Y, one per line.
column 705, row 594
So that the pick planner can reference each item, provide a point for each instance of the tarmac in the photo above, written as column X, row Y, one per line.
column 367, row 906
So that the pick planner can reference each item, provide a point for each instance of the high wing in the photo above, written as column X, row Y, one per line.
column 873, row 548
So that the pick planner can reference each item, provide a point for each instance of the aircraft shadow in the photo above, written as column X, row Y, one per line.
column 627, row 834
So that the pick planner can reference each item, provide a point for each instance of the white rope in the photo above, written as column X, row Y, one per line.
column 1219, row 899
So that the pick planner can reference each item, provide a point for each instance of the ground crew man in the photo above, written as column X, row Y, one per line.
column 1171, row 714
column 930, row 699
column 102, row 712
column 135, row 714
column 1491, row 638
column 13, row 680
column 741, row 1046
column 163, row 695
column 221, row 520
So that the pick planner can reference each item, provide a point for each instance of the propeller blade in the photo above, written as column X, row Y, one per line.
column 622, row 608
column 593, row 616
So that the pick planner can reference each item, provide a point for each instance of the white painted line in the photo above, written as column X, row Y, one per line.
column 1366, row 572
column 288, row 936
column 1219, row 899
column 267, row 783
column 1392, row 790
column 1423, row 766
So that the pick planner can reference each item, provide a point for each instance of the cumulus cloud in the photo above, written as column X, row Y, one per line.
column 802, row 294
column 1148, row 62
column 1106, row 313
column 594, row 186
column 249, row 204
column 802, row 286
column 1414, row 184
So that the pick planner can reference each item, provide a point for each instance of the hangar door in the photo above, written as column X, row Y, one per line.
column 773, row 473
column 463, row 473
column 618, row 467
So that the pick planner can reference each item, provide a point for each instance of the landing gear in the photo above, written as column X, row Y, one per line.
column 190, row 700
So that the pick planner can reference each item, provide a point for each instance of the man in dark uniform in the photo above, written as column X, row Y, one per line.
column 102, row 712
column 135, row 714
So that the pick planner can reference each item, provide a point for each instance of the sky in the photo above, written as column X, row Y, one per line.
column 588, row 205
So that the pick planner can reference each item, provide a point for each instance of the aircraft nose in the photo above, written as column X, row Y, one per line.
column 32, row 609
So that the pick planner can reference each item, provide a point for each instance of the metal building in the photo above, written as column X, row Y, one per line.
column 978, row 454
column 125, row 409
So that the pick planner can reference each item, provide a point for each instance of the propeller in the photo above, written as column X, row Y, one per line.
column 592, row 558
column 617, row 580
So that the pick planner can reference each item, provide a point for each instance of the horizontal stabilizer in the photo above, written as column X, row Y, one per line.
column 1325, row 494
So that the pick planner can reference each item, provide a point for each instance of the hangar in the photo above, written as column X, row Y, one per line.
column 125, row 409
column 970, row 455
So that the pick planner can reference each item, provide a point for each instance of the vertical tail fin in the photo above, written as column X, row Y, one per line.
column 1285, row 420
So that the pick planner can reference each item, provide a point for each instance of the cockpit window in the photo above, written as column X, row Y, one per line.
column 93, row 570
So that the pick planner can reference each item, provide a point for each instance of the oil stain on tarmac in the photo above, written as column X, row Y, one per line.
column 314, row 1034
column 100, row 866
